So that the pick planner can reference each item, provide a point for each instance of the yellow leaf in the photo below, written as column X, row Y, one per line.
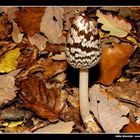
column 12, row 123
column 9, row 61
column 133, row 40
column 122, row 79
column 117, row 25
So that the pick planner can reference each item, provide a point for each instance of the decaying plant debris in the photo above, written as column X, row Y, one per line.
column 37, row 94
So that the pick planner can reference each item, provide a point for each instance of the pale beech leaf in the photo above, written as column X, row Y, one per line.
column 60, row 127
column 38, row 40
column 16, row 34
column 7, row 87
column 52, row 25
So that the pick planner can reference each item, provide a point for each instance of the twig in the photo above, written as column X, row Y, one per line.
column 129, row 102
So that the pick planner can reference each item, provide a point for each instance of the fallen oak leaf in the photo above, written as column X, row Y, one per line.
column 116, row 25
column 113, row 59
column 110, row 114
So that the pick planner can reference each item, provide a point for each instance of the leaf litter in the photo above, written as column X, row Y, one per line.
column 36, row 94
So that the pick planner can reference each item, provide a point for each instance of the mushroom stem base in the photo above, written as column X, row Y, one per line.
column 90, row 124
column 84, row 101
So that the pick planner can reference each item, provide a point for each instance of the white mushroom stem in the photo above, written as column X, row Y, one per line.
column 84, row 100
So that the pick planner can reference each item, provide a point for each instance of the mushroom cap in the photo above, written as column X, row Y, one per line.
column 83, row 49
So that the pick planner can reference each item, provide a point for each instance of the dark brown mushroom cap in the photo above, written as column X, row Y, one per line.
column 83, row 48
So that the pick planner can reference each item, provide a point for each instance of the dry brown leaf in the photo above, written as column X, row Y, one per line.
column 6, row 46
column 46, row 103
column 10, row 11
column 52, row 25
column 28, row 55
column 60, row 127
column 51, row 67
column 132, row 127
column 54, row 48
column 38, row 40
column 28, row 19
column 109, row 113
column 49, row 102
column 113, row 59
column 5, row 27
column 126, row 90
column 5, row 9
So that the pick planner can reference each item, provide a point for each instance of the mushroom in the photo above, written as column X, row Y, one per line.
column 83, row 51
